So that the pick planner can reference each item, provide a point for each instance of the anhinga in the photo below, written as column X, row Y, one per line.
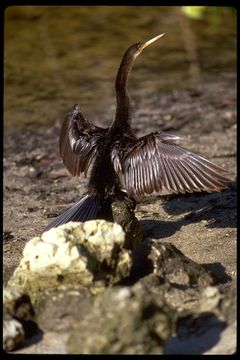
column 121, row 161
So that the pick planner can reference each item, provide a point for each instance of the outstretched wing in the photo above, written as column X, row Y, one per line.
column 78, row 141
column 155, row 163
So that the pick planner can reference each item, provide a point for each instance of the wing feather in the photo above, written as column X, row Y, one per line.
column 78, row 142
column 154, row 162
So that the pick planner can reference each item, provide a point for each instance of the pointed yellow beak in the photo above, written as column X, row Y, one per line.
column 149, row 42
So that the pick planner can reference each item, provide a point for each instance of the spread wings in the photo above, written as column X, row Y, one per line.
column 154, row 163
column 78, row 142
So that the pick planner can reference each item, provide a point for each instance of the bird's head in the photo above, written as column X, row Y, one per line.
column 136, row 49
column 127, row 61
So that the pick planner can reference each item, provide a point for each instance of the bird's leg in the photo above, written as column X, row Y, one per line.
column 121, row 195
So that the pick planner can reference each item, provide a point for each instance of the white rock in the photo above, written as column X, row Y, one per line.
column 78, row 252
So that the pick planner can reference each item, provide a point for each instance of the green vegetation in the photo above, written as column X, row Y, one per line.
column 213, row 13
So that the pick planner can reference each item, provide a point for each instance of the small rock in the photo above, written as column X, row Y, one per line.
column 222, row 303
column 121, row 321
column 173, row 266
column 166, row 269
column 18, row 322
column 13, row 333
column 58, row 308
column 17, row 304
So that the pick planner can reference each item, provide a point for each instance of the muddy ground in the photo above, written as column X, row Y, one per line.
column 37, row 187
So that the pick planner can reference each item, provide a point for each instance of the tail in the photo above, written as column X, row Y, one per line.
column 83, row 210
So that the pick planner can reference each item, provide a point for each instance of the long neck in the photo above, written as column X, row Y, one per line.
column 123, row 111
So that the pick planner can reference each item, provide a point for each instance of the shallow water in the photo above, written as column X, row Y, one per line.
column 57, row 56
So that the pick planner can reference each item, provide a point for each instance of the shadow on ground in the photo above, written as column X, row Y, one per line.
column 218, row 209
column 193, row 337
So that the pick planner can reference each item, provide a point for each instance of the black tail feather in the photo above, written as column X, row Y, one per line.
column 83, row 210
